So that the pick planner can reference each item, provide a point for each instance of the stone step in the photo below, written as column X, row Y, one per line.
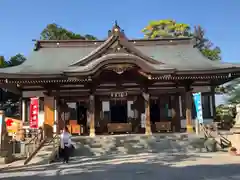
column 133, row 144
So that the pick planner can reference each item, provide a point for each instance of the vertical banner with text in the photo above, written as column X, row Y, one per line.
column 198, row 106
column 34, row 111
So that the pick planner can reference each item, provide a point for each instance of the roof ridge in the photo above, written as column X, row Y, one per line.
column 86, row 43
column 102, row 40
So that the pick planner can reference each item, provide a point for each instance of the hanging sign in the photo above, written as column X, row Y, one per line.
column 119, row 94
column 34, row 111
column 198, row 104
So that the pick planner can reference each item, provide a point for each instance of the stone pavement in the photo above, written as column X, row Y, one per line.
column 165, row 166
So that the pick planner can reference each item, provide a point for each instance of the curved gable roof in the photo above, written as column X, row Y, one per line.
column 117, row 39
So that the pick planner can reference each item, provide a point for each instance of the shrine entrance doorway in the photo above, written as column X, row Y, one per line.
column 118, row 111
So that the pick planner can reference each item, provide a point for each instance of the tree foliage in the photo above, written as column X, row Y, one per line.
column 10, row 101
column 56, row 32
column 213, row 54
column 225, row 114
column 205, row 45
column 16, row 60
column 3, row 62
column 166, row 28
column 233, row 91
column 169, row 28
column 13, row 61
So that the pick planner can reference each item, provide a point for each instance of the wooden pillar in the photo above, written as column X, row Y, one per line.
column 61, row 109
column 48, row 116
column 213, row 102
column 176, row 124
column 139, row 105
column 3, row 133
column 5, row 146
column 189, row 102
column 55, row 128
column 97, row 112
column 20, row 108
column 92, row 115
column 148, row 130
column 58, row 116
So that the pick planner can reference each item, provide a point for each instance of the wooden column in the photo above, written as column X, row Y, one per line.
column 20, row 105
column 92, row 115
column 48, row 116
column 61, row 109
column 176, row 124
column 148, row 130
column 97, row 113
column 213, row 102
column 57, row 115
column 189, row 102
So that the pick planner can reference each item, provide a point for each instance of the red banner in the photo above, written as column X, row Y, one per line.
column 34, row 109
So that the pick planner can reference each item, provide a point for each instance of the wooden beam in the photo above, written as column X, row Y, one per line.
column 50, row 86
column 106, row 91
column 11, row 88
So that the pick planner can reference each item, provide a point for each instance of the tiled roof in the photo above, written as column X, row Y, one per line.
column 175, row 55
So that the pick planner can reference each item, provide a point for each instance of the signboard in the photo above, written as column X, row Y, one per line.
column 198, row 104
column 13, row 125
column 119, row 94
column 34, row 111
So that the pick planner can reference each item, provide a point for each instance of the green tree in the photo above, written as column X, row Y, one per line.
column 169, row 28
column 90, row 37
column 56, row 32
column 205, row 45
column 232, row 89
column 16, row 60
column 13, row 61
column 3, row 62
column 166, row 28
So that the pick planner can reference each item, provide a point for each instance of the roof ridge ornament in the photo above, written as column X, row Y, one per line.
column 116, row 27
column 37, row 45
column 116, row 30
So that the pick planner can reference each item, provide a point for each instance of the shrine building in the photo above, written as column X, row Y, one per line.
column 117, row 85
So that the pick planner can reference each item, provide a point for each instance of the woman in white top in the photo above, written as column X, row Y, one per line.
column 66, row 143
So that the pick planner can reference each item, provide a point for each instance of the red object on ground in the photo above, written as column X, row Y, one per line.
column 9, row 122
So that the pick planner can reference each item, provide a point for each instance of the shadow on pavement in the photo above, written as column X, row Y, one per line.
column 144, row 166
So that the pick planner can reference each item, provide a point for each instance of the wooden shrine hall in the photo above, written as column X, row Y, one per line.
column 116, row 85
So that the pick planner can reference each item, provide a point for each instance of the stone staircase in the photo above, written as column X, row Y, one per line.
column 136, row 144
column 42, row 156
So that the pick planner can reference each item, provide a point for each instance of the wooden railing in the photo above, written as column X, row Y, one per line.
column 211, row 131
column 33, row 146
column 33, row 143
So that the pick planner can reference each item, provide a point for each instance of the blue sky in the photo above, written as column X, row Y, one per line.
column 22, row 21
